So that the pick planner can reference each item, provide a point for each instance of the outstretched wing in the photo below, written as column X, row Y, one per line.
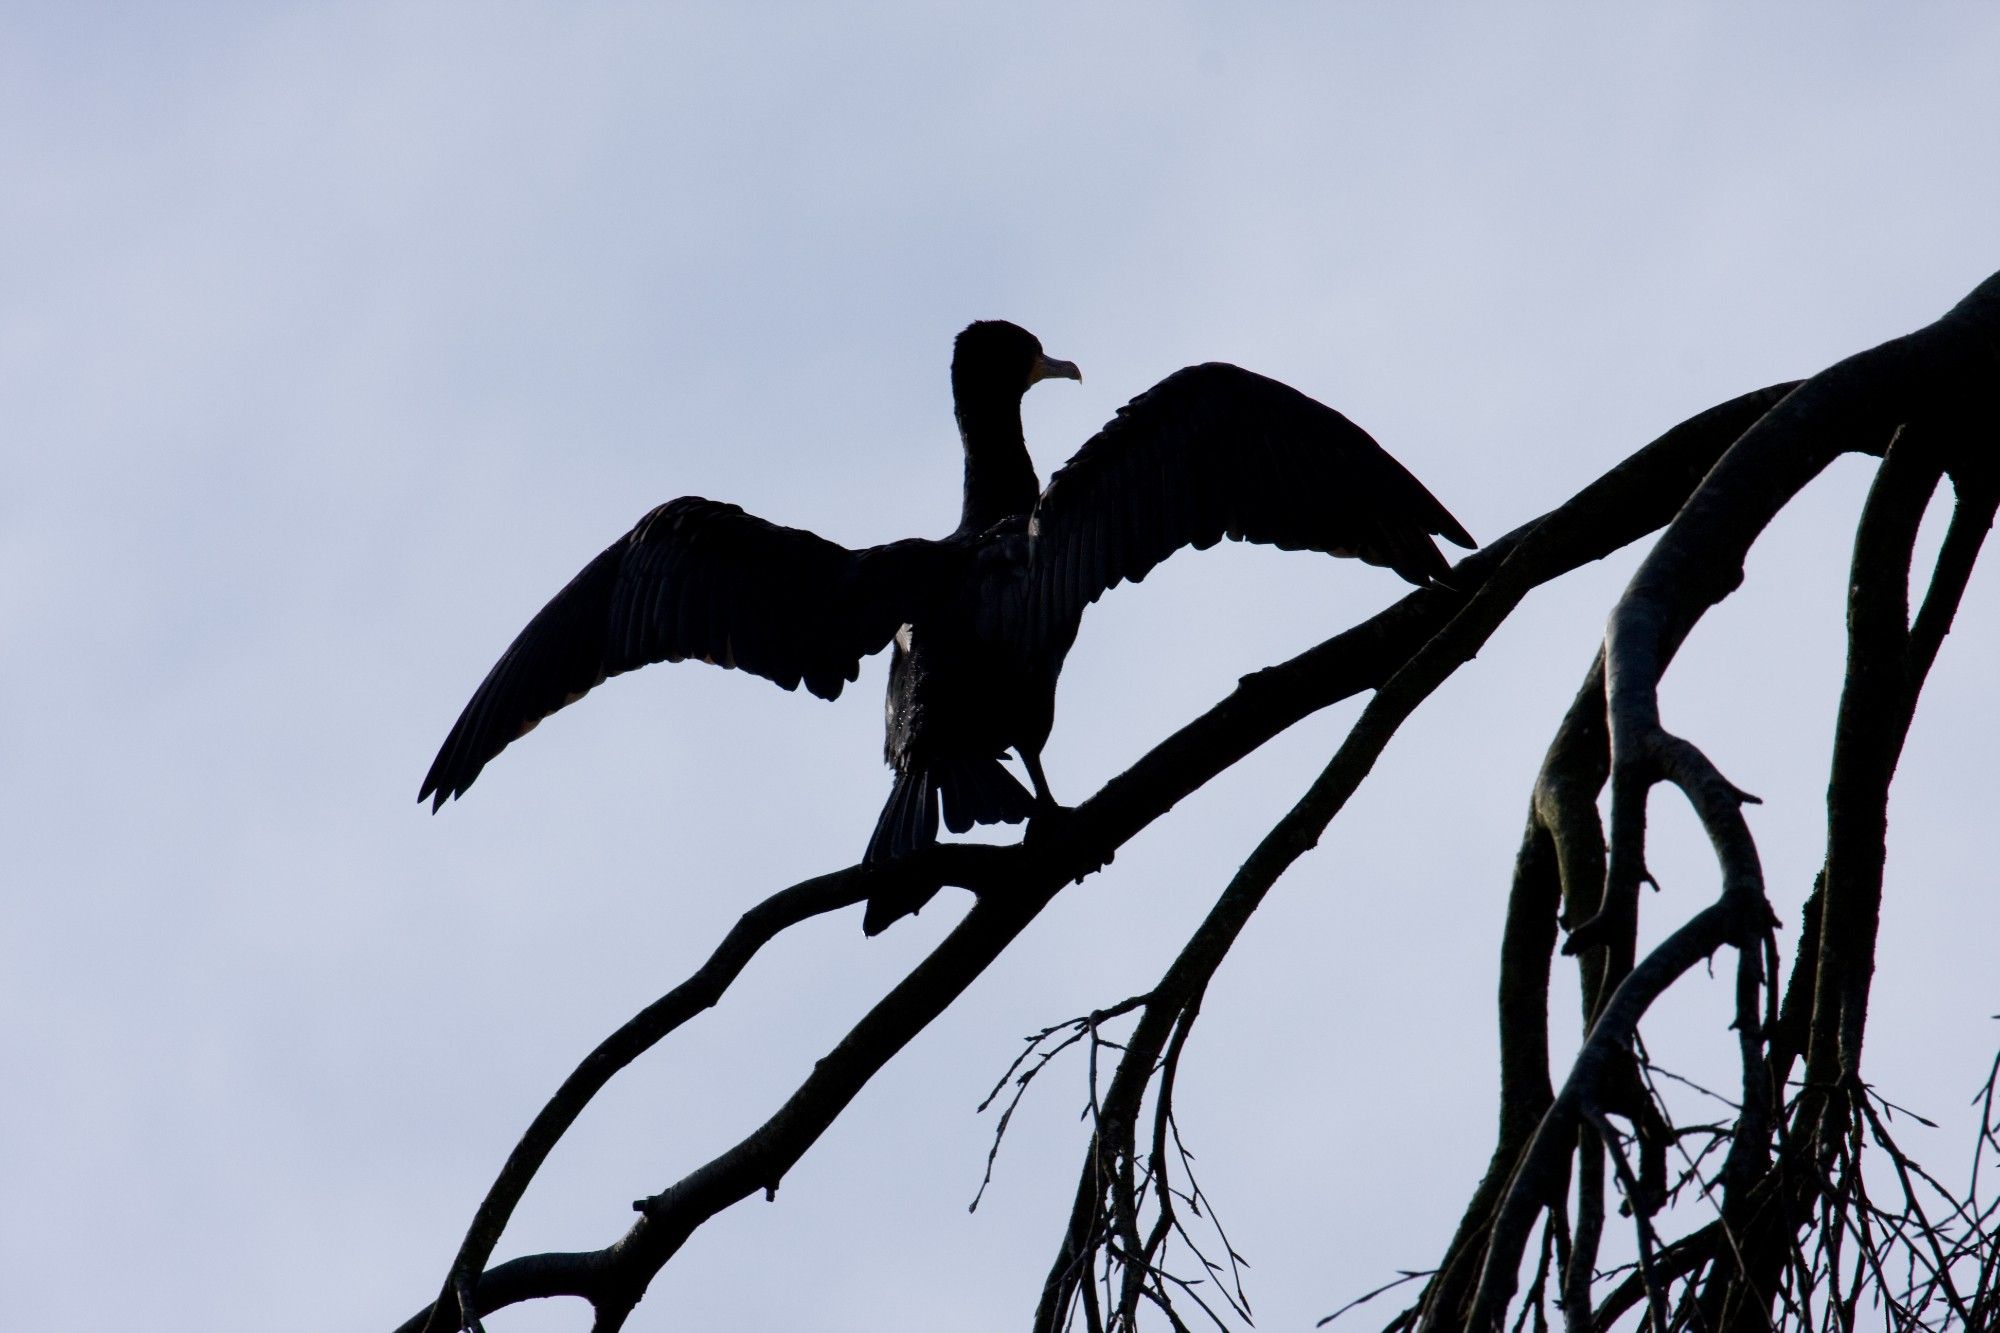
column 1217, row 451
column 695, row 579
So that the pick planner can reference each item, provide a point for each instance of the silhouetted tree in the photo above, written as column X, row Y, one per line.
column 1787, row 1233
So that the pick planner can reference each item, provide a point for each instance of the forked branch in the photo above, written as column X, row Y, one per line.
column 1937, row 393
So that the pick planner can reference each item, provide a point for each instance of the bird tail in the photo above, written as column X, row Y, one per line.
column 981, row 791
column 908, row 821
column 972, row 791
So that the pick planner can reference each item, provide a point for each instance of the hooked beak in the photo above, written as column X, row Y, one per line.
column 1047, row 368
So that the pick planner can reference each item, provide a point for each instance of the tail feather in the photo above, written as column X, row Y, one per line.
column 909, row 820
column 971, row 791
column 981, row 791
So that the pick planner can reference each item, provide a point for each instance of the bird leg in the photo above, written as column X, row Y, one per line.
column 1052, row 819
column 1045, row 800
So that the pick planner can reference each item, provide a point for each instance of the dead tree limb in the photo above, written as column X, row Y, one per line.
column 1940, row 385
column 1105, row 1191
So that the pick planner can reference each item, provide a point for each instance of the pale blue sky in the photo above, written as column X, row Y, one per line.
column 333, row 339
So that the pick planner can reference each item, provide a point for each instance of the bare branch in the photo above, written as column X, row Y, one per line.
column 1042, row 1052
column 1545, row 549
column 1875, row 707
column 1560, row 866
column 1855, row 405
column 702, row 990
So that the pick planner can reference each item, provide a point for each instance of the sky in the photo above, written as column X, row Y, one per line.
column 334, row 339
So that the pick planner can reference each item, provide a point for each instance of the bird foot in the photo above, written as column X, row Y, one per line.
column 1053, row 824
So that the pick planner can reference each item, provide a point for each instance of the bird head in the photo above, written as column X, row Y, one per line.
column 994, row 358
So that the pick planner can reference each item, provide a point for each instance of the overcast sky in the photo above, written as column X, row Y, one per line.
column 333, row 339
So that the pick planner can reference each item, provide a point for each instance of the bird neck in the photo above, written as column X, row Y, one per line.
column 1000, row 480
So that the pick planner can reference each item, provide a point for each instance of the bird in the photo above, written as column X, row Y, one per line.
column 980, row 621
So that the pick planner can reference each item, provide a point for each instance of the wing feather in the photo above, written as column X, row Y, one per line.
column 1214, row 451
column 704, row 580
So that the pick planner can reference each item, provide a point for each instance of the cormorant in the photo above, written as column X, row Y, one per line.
column 982, row 619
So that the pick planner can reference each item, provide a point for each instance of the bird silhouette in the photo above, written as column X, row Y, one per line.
column 982, row 619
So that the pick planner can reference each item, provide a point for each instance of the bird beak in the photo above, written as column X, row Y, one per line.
column 1047, row 368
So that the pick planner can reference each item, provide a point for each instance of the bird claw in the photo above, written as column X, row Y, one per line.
column 1053, row 825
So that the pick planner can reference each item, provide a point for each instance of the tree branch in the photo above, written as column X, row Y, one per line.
column 1545, row 550
column 1826, row 999
column 1855, row 405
